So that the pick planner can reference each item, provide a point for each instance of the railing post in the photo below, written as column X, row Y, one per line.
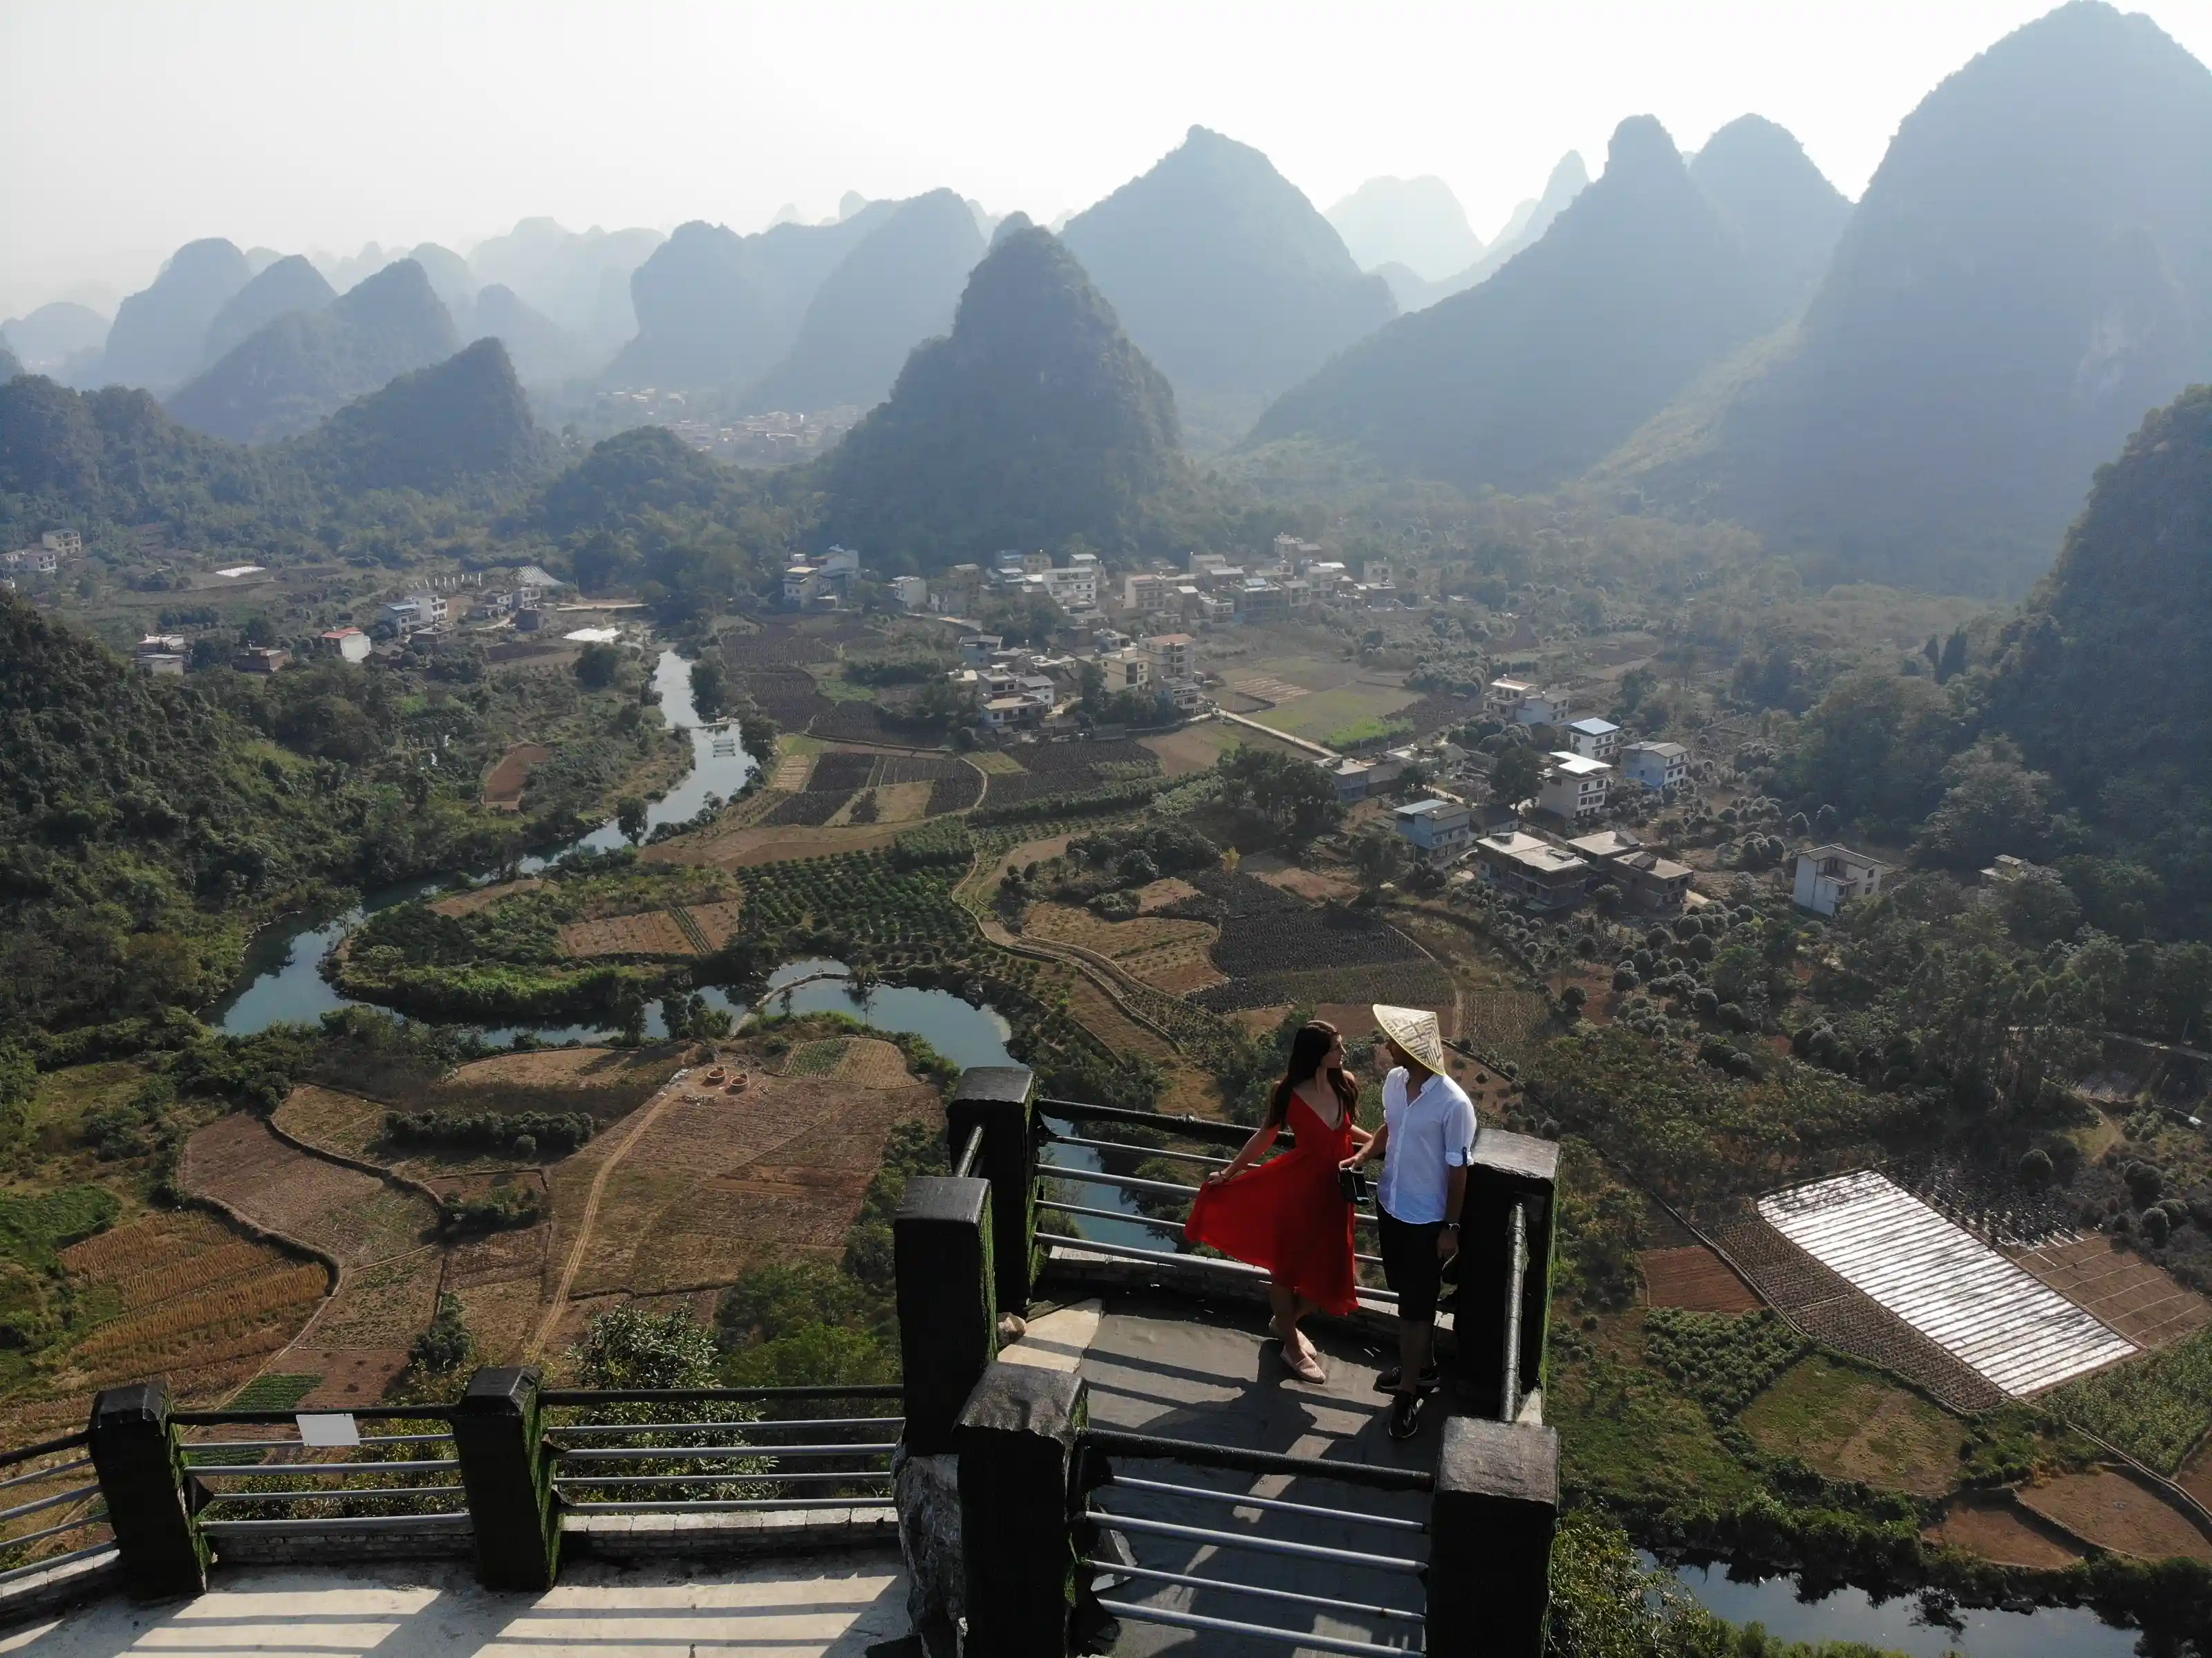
column 1016, row 1442
column 498, row 1435
column 1509, row 1171
column 140, row 1464
column 947, row 1313
column 1491, row 1521
column 996, row 1100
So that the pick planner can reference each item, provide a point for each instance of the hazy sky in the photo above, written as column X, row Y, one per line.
column 128, row 126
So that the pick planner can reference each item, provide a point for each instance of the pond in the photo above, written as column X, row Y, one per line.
column 282, row 982
column 1895, row 1624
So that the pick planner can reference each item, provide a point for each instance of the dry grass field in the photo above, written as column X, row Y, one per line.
column 461, row 903
column 343, row 1123
column 652, row 933
column 1854, row 1423
column 2114, row 1509
column 1992, row 1526
column 503, row 784
column 743, row 847
column 355, row 1217
column 718, row 1180
column 1062, row 924
column 195, row 1300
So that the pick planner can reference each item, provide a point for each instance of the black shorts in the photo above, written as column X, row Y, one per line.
column 1410, row 1263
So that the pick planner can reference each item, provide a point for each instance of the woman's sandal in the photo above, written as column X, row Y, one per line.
column 1302, row 1365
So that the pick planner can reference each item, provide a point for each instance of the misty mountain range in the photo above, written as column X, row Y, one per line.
column 1915, row 389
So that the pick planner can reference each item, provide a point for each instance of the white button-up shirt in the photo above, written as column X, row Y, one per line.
column 1430, row 1135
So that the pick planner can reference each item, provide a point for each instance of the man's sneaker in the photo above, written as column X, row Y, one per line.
column 1387, row 1382
column 1406, row 1416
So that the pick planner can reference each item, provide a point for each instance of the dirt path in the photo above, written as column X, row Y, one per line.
column 641, row 1121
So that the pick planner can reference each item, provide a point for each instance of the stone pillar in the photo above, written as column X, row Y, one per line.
column 1491, row 1521
column 1507, row 1168
column 1017, row 1441
column 947, row 1313
column 996, row 1100
column 140, row 1469
column 499, row 1434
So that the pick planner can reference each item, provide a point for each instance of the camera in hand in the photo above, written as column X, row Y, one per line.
column 1352, row 1182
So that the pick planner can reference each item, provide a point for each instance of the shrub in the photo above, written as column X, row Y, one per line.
column 2035, row 1168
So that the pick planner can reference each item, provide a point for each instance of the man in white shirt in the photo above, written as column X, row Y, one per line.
column 1426, row 1143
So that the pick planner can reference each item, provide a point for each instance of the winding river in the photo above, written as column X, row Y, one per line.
column 282, row 981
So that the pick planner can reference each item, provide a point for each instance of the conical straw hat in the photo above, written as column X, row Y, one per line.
column 1415, row 1031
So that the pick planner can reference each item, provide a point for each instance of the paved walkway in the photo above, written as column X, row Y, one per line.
column 836, row 1606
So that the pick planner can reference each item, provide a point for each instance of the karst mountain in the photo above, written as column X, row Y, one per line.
column 1525, row 380
column 2029, row 271
column 305, row 365
column 160, row 333
column 1034, row 420
column 898, row 287
column 1227, row 279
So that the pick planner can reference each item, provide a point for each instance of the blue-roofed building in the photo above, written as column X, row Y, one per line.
column 1441, row 829
column 1595, row 739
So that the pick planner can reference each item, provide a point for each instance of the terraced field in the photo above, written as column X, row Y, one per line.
column 192, row 1298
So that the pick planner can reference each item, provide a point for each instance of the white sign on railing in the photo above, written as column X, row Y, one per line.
column 328, row 1428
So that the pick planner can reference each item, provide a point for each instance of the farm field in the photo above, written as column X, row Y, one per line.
column 191, row 1297
column 357, row 1218
column 749, row 848
column 1065, row 924
column 1992, row 1526
column 2142, row 1301
column 652, row 933
column 1695, row 1278
column 1854, row 1424
column 1352, row 708
column 2114, row 1509
column 717, row 1180
column 483, row 898
column 503, row 784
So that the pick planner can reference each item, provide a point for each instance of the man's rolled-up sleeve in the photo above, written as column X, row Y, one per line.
column 1459, row 1133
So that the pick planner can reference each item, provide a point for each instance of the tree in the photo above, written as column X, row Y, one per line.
column 1379, row 855
column 1993, row 805
column 710, row 688
column 1952, row 661
column 1289, row 801
column 632, row 1348
column 446, row 1346
column 629, row 818
column 597, row 667
column 1517, row 775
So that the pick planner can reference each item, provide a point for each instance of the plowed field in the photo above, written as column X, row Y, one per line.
column 2115, row 1510
column 655, row 932
column 1696, row 1279
column 355, row 1216
column 719, row 1180
column 2127, row 1292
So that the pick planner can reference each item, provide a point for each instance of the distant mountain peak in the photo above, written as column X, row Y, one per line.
column 1036, row 419
column 1226, row 277
column 437, row 428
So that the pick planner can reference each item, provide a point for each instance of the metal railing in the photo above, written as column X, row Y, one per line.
column 720, row 1450
column 342, row 1482
column 1138, row 1153
column 52, row 1513
column 1120, row 1510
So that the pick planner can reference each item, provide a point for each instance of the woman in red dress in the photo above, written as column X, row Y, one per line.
column 1290, row 1215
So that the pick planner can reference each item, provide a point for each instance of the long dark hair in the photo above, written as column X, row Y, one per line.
column 1309, row 1049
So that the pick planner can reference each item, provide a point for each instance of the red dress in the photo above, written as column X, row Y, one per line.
column 1289, row 1215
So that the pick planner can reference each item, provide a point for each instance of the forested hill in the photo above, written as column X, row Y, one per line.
column 1034, row 421
column 1531, row 377
column 129, row 807
column 896, row 289
column 2105, row 680
column 10, row 368
column 2027, row 272
column 441, row 429
column 305, row 365
column 112, row 457
column 1227, row 277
